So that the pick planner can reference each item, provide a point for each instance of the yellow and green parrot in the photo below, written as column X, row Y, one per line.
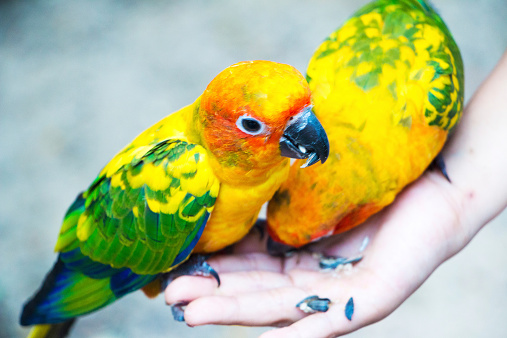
column 388, row 88
column 197, row 178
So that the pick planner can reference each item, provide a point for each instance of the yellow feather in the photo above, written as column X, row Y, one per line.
column 347, row 31
column 39, row 331
column 368, row 18
column 154, row 176
column 174, row 203
column 117, row 181
column 85, row 228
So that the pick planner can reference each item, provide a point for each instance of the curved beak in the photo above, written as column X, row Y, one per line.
column 304, row 137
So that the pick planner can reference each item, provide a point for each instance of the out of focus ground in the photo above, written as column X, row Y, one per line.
column 79, row 79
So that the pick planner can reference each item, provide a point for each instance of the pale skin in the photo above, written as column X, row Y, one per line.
column 430, row 221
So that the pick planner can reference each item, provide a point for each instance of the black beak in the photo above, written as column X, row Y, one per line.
column 304, row 137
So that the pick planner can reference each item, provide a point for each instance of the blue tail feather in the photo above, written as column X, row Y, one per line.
column 69, row 291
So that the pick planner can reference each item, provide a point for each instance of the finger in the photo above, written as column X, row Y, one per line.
column 263, row 262
column 189, row 288
column 277, row 306
column 245, row 262
column 270, row 307
column 273, row 304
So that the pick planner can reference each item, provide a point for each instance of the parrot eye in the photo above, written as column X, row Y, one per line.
column 249, row 125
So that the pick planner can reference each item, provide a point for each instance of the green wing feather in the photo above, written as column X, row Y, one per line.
column 444, row 103
column 148, row 212
column 391, row 33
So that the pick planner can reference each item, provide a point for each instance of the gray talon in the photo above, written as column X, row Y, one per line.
column 260, row 227
column 439, row 163
column 178, row 311
column 278, row 249
column 196, row 265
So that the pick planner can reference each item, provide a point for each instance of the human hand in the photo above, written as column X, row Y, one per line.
column 429, row 222
column 260, row 290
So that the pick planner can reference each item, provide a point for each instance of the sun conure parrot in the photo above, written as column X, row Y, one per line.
column 388, row 88
column 210, row 165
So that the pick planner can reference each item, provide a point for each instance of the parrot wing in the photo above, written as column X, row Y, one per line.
column 142, row 216
column 146, row 214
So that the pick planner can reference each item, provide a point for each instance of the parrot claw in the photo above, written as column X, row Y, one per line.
column 275, row 248
column 196, row 265
column 313, row 304
column 439, row 163
column 329, row 263
column 213, row 273
column 260, row 227
column 178, row 311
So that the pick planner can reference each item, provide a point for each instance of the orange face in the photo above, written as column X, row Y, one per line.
column 246, row 108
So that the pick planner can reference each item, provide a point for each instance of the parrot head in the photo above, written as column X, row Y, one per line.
column 255, row 112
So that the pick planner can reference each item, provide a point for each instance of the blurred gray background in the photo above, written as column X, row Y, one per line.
column 80, row 79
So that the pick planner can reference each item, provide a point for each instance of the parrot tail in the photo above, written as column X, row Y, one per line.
column 76, row 286
column 65, row 294
column 59, row 330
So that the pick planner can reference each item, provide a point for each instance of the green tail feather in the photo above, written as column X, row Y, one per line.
column 67, row 293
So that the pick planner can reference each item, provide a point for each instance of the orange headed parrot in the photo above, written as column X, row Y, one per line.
column 197, row 177
column 388, row 88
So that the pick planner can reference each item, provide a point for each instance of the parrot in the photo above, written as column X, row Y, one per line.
column 193, row 182
column 388, row 88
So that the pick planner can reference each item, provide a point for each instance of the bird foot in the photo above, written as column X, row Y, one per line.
column 439, row 163
column 196, row 265
column 178, row 311
column 278, row 249
column 260, row 227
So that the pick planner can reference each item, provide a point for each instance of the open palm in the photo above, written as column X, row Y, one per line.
column 257, row 289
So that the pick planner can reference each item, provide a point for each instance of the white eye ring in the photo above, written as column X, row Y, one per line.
column 250, row 125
